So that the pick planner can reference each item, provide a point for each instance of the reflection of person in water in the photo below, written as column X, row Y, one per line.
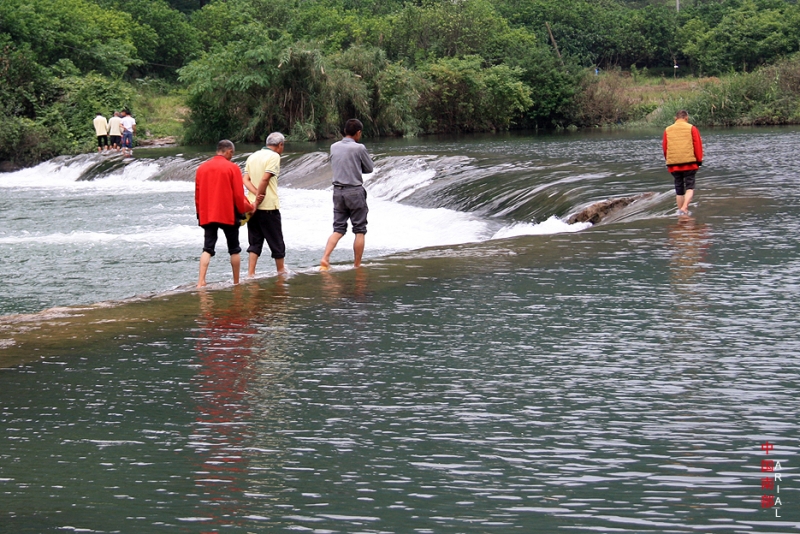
column 242, row 369
column 339, row 286
column 689, row 243
column 223, row 412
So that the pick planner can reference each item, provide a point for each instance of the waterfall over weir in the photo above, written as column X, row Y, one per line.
column 127, row 227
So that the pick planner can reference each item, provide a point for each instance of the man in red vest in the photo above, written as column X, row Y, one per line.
column 219, row 199
column 683, row 150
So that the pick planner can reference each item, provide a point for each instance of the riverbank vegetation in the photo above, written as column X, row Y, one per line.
column 207, row 69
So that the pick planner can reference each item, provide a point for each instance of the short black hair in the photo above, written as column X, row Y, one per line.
column 225, row 145
column 682, row 114
column 352, row 127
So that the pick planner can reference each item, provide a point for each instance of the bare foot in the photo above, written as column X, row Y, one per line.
column 201, row 284
column 324, row 265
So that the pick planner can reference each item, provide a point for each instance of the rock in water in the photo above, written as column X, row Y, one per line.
column 600, row 210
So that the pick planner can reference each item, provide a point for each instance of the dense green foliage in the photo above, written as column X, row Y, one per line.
column 62, row 61
column 405, row 67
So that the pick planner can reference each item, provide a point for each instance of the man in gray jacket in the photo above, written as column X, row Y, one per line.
column 349, row 161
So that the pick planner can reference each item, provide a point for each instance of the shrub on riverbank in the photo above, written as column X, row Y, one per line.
column 45, row 112
column 767, row 96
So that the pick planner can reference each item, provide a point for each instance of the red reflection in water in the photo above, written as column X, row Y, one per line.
column 690, row 242
column 225, row 354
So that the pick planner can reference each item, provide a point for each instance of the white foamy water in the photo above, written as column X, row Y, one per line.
column 397, row 178
column 111, row 229
column 124, row 177
column 307, row 214
column 553, row 225
column 308, row 219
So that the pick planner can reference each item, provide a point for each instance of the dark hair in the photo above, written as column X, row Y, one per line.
column 352, row 127
column 224, row 146
column 682, row 114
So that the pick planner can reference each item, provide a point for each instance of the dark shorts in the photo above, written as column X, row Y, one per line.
column 116, row 140
column 350, row 203
column 231, row 235
column 102, row 140
column 684, row 180
column 266, row 225
column 127, row 139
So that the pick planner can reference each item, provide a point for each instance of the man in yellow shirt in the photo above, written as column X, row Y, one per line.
column 101, row 129
column 261, row 180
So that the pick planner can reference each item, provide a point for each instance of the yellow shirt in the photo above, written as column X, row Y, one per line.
column 100, row 125
column 114, row 124
column 265, row 160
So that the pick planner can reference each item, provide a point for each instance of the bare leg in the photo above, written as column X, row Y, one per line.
column 687, row 199
column 205, row 259
column 251, row 265
column 358, row 249
column 236, row 263
column 279, row 265
column 679, row 201
column 333, row 240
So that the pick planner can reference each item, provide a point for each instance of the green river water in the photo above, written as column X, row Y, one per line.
column 490, row 369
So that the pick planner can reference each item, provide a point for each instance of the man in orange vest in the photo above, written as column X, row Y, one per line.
column 683, row 150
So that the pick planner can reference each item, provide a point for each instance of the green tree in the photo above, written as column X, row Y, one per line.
column 91, row 37
column 752, row 34
column 391, row 92
column 465, row 97
column 420, row 33
column 165, row 39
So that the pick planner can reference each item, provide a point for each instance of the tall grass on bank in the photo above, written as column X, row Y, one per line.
column 768, row 96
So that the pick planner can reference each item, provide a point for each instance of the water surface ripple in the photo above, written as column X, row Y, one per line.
column 618, row 379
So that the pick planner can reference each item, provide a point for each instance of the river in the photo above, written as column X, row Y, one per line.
column 491, row 368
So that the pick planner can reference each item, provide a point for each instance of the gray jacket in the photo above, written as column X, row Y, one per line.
column 349, row 160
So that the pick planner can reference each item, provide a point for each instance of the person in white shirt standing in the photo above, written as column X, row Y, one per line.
column 115, row 131
column 101, row 129
column 128, row 128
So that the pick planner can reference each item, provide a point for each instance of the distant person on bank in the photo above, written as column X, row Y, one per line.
column 128, row 129
column 261, row 180
column 349, row 161
column 218, row 198
column 101, row 129
column 683, row 150
column 115, row 131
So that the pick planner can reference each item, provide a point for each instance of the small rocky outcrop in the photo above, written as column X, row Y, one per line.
column 600, row 210
column 158, row 141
